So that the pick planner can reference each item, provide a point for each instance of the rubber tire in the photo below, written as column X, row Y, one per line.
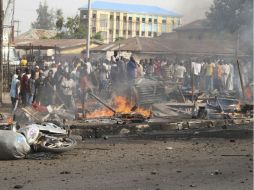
column 59, row 150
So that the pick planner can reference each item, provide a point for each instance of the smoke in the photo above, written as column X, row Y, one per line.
column 191, row 11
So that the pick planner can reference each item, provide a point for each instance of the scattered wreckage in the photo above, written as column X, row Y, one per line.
column 102, row 117
column 172, row 108
column 17, row 143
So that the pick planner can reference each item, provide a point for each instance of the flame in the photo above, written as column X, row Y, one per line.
column 238, row 106
column 9, row 120
column 248, row 94
column 121, row 105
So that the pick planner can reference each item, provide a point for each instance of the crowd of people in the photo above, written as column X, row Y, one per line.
column 66, row 82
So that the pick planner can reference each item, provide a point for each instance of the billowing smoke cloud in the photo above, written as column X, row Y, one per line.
column 191, row 10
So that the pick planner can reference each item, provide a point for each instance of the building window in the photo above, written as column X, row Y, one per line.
column 94, row 30
column 155, row 34
column 129, row 33
column 164, row 28
column 130, row 18
column 104, row 35
column 110, row 31
column 94, row 16
column 149, row 33
column 117, row 18
column 150, row 27
column 138, row 19
column 143, row 20
column 111, row 17
column 155, row 21
column 124, row 32
column 143, row 27
column 137, row 33
column 117, row 31
column 155, row 27
column 103, row 20
column 143, row 34
column 150, row 20
column 164, row 21
column 125, row 18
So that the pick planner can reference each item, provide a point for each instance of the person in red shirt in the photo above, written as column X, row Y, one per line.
column 84, row 87
column 25, row 88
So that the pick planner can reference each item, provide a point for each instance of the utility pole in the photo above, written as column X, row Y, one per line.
column 17, row 30
column 88, row 30
column 1, row 52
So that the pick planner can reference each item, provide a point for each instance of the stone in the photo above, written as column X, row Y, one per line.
column 18, row 187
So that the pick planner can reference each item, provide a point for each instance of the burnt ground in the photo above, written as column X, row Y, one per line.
column 154, row 162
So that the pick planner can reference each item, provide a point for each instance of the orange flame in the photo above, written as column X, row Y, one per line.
column 9, row 120
column 121, row 105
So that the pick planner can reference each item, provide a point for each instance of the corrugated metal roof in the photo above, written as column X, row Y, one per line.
column 52, row 43
column 164, row 45
column 195, row 25
column 131, row 8
column 37, row 34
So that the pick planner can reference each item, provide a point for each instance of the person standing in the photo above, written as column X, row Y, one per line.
column 39, row 89
column 225, row 75
column 131, row 69
column 23, row 61
column 180, row 72
column 196, row 68
column 230, row 82
column 83, row 84
column 15, row 91
column 67, row 87
column 49, row 88
column 31, row 91
column 25, row 87
column 209, row 75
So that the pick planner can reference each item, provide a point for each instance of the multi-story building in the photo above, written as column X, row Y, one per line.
column 118, row 20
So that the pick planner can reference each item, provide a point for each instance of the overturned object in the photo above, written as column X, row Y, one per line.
column 13, row 145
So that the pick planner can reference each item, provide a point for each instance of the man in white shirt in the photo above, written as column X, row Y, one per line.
column 196, row 68
column 179, row 72
column 88, row 66
column 225, row 75
column 67, row 87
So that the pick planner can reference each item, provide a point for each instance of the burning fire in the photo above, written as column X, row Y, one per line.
column 121, row 105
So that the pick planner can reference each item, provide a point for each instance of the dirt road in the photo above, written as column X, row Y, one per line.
column 137, row 164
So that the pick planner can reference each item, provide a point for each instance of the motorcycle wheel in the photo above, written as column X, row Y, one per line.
column 58, row 146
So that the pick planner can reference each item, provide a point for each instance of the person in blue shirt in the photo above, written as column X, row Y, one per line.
column 131, row 69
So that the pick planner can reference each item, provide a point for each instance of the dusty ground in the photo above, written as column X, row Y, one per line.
column 137, row 164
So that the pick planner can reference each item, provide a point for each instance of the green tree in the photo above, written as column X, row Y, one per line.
column 45, row 17
column 59, row 19
column 97, row 36
column 119, row 39
column 73, row 29
column 230, row 15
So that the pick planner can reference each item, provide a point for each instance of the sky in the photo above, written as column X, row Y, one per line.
column 25, row 10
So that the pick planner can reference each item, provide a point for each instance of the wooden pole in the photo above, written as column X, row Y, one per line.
column 1, row 52
column 105, row 104
column 192, row 84
column 88, row 30
column 241, row 78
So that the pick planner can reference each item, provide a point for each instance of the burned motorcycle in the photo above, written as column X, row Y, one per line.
column 48, row 137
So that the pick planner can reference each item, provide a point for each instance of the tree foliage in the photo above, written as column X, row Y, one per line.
column 97, row 36
column 45, row 17
column 230, row 15
column 73, row 28
column 59, row 19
